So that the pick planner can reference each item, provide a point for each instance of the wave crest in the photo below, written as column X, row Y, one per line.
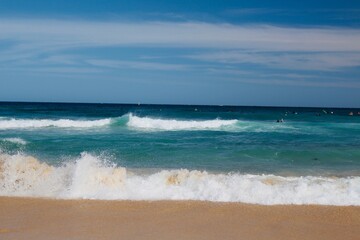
column 91, row 178
column 42, row 123
column 15, row 140
column 150, row 124
column 147, row 123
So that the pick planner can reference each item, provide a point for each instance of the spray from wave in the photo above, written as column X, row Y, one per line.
column 88, row 177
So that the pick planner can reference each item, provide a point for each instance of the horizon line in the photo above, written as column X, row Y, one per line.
column 171, row 104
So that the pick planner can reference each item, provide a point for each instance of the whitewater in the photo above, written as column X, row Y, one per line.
column 42, row 123
column 161, row 152
column 90, row 177
column 135, row 122
column 148, row 124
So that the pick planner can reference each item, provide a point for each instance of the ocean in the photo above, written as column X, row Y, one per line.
column 261, row 155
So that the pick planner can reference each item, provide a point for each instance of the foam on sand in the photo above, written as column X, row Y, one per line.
column 88, row 177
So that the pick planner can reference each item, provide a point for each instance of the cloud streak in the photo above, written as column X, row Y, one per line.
column 137, row 65
column 282, row 55
column 297, row 83
column 324, row 61
column 69, row 34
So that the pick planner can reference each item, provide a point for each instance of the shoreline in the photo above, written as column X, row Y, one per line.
column 40, row 218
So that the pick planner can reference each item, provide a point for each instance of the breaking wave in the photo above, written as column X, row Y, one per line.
column 158, row 124
column 88, row 177
column 172, row 124
column 42, row 123
column 134, row 122
column 15, row 140
column 232, row 125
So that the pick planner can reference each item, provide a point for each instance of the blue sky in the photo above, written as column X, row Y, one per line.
column 269, row 53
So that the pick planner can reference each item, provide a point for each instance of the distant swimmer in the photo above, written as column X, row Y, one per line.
column 280, row 120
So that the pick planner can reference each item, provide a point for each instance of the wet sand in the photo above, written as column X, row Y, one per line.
column 25, row 218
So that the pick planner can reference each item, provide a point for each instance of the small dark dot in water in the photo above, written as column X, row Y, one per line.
column 315, row 159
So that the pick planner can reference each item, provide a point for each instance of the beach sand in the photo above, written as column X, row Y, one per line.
column 26, row 218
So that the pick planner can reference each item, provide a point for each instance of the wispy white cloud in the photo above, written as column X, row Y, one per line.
column 324, row 61
column 234, row 72
column 54, row 70
column 298, row 83
column 63, row 59
column 281, row 78
column 45, row 45
column 137, row 65
column 68, row 34
column 323, row 13
column 252, row 11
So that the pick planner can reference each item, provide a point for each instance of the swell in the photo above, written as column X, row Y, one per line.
column 89, row 177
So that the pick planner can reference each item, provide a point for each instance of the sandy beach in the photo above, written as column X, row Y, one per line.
column 25, row 218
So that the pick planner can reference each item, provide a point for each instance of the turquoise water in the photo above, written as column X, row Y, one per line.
column 147, row 139
column 303, row 144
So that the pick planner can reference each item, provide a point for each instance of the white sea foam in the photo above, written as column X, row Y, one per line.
column 15, row 140
column 233, row 125
column 61, row 123
column 147, row 123
column 90, row 178
column 152, row 124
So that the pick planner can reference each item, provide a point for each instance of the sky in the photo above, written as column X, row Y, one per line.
column 214, row 52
